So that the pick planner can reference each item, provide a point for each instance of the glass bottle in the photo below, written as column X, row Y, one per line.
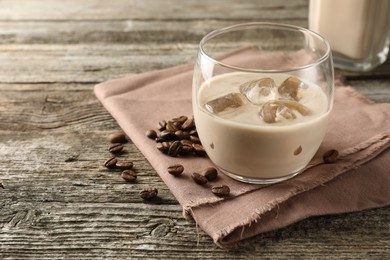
column 357, row 30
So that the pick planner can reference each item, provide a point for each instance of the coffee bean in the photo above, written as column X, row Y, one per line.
column 148, row 193
column 186, row 135
column 176, row 169
column 221, row 190
column 159, row 139
column 179, row 134
column 117, row 137
column 189, row 124
column 186, row 142
column 124, row 165
column 210, row 173
column 111, row 163
column 174, row 149
column 162, row 147
column 115, row 148
column 195, row 139
column 180, row 119
column 167, row 135
column 177, row 124
column 186, row 149
column 199, row 150
column 161, row 125
column 194, row 132
column 151, row 134
column 199, row 179
column 129, row 175
column 330, row 156
column 171, row 127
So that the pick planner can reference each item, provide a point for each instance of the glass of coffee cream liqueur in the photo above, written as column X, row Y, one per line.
column 262, row 94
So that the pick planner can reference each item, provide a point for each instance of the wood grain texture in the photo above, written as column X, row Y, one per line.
column 151, row 10
column 57, row 201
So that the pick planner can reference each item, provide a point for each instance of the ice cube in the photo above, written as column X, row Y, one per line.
column 284, row 113
column 268, row 112
column 259, row 91
column 290, row 87
column 294, row 105
column 280, row 110
column 225, row 103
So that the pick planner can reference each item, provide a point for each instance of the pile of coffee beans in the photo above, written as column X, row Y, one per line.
column 206, row 175
column 116, row 147
column 177, row 137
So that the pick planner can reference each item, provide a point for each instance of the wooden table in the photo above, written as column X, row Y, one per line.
column 57, row 201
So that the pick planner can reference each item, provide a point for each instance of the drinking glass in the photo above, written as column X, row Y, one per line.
column 262, row 94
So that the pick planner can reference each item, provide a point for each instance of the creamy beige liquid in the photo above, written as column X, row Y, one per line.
column 241, row 143
column 355, row 28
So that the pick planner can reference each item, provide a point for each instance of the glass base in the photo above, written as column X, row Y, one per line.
column 342, row 62
column 260, row 180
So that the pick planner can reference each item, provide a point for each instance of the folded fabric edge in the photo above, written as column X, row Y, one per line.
column 364, row 152
column 227, row 241
column 371, row 148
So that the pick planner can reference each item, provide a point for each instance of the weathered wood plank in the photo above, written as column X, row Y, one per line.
column 37, row 109
column 124, row 230
column 126, row 32
column 84, row 63
column 57, row 201
column 377, row 90
column 149, row 10
column 30, row 160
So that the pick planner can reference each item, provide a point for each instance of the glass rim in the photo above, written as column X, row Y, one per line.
column 235, row 27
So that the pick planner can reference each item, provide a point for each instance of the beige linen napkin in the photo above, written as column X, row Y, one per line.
column 359, row 129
